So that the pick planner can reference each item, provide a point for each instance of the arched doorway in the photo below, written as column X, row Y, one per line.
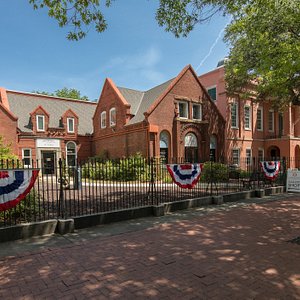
column 297, row 156
column 213, row 148
column 191, row 148
column 71, row 154
column 164, row 146
column 274, row 152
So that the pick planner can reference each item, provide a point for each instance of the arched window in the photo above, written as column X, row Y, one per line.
column 71, row 154
column 213, row 148
column 191, row 147
column 112, row 117
column 164, row 146
column 103, row 119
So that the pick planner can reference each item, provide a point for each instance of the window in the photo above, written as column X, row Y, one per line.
column 271, row 120
column 247, row 117
column 183, row 110
column 197, row 112
column 234, row 115
column 261, row 154
column 40, row 123
column 191, row 148
column 70, row 125
column 248, row 157
column 212, row 93
column 236, row 156
column 103, row 119
column 112, row 117
column 26, row 157
column 260, row 118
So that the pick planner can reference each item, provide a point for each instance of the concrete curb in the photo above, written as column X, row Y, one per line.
column 62, row 226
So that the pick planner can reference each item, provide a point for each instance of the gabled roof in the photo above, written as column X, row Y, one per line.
column 141, row 101
column 22, row 104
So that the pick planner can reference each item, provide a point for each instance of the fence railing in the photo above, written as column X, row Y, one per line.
column 96, row 185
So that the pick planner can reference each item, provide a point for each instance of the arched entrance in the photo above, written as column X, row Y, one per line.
column 191, row 148
column 273, row 152
column 164, row 146
column 213, row 148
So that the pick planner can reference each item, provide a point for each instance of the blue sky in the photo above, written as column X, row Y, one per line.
column 134, row 51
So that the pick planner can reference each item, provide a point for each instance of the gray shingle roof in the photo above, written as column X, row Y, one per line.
column 141, row 101
column 22, row 104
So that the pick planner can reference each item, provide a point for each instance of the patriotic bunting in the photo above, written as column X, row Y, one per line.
column 270, row 169
column 15, row 185
column 186, row 176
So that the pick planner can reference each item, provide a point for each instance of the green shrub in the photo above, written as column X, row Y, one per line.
column 214, row 172
column 126, row 169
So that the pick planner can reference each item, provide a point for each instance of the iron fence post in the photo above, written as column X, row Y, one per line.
column 61, row 204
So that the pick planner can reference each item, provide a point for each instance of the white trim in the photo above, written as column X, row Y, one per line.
column 239, row 155
column 200, row 111
column 250, row 162
column 262, row 118
column 213, row 87
column 68, row 127
column 30, row 156
column 186, row 104
column 68, row 143
column 37, row 123
column 237, row 115
column 112, row 124
column 273, row 120
column 101, row 119
column 250, row 116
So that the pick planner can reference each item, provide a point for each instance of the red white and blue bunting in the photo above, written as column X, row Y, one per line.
column 270, row 169
column 15, row 185
column 186, row 175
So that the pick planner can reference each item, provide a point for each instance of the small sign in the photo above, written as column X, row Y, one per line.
column 48, row 143
column 293, row 180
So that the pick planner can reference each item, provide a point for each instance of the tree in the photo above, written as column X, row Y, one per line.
column 5, row 151
column 64, row 93
column 264, row 36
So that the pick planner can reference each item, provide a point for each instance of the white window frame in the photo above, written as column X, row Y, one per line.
column 263, row 154
column 103, row 120
column 273, row 120
column 75, row 155
column 30, row 156
column 68, row 125
column 262, row 119
column 210, row 88
column 239, row 155
column 248, row 117
column 185, row 103
column 200, row 111
column 237, row 115
column 112, row 123
column 37, row 123
column 248, row 158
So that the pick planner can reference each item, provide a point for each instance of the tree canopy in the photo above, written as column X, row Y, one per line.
column 65, row 93
column 5, row 151
column 264, row 37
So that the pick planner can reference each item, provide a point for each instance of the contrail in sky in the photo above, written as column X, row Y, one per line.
column 213, row 46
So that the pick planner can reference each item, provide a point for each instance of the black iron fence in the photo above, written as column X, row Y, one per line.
column 97, row 185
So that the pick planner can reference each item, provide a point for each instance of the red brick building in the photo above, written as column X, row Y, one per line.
column 254, row 129
column 176, row 119
column 46, row 128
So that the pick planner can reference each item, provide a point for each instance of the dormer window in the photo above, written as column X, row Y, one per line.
column 103, row 119
column 70, row 125
column 183, row 109
column 40, row 123
column 112, row 117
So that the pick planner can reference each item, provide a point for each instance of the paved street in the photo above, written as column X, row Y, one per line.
column 233, row 251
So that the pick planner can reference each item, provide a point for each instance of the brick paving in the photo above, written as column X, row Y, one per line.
column 236, row 253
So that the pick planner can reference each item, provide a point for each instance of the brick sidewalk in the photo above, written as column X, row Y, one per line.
column 240, row 253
